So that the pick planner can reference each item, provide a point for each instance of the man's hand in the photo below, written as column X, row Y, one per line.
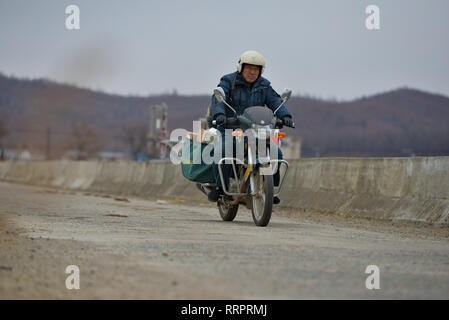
column 220, row 119
column 287, row 121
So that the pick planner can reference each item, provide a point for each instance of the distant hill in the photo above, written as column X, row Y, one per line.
column 401, row 122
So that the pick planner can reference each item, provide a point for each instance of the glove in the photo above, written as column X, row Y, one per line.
column 287, row 121
column 220, row 119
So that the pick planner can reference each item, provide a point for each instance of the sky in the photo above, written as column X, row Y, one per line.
column 316, row 47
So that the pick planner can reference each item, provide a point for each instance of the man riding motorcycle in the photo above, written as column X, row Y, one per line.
column 245, row 88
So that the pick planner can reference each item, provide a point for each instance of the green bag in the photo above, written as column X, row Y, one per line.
column 197, row 172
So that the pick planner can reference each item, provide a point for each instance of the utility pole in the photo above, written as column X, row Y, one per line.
column 158, row 130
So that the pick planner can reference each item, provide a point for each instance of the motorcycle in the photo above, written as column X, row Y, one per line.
column 251, row 179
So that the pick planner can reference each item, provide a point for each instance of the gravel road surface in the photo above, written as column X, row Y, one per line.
column 133, row 248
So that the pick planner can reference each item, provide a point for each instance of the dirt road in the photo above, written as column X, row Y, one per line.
column 130, row 248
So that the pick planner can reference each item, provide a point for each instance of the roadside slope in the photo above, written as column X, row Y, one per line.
column 409, row 189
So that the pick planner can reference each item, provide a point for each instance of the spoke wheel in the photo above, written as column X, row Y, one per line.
column 262, row 200
column 227, row 211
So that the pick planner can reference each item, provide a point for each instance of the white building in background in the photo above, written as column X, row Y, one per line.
column 22, row 154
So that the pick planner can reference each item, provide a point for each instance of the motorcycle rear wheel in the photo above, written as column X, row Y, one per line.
column 227, row 211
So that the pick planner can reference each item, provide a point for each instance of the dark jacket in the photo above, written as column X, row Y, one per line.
column 260, row 94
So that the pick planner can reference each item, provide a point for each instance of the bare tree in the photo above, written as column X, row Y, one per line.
column 85, row 141
column 3, row 133
column 135, row 138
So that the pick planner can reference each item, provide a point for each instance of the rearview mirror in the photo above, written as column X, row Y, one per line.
column 219, row 94
column 286, row 95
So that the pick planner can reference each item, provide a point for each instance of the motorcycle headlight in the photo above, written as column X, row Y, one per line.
column 261, row 132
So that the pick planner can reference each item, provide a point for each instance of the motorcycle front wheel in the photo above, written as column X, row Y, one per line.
column 262, row 200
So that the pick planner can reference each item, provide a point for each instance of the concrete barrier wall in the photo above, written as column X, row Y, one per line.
column 410, row 189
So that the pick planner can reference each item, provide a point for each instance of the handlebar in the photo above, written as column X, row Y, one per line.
column 233, row 121
column 280, row 124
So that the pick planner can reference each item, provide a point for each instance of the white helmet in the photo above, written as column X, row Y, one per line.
column 251, row 57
